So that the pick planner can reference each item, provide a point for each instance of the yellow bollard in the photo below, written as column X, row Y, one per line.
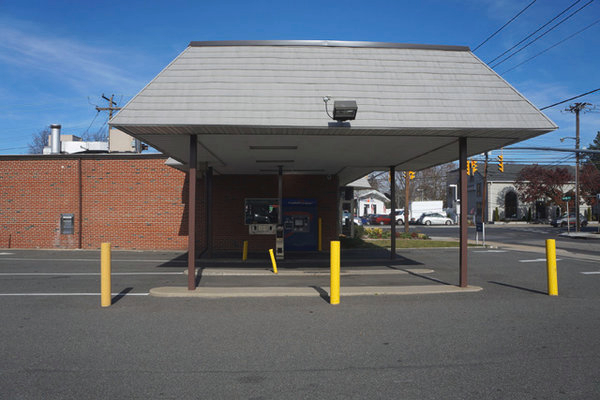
column 273, row 260
column 245, row 251
column 334, row 287
column 105, row 285
column 320, row 242
column 551, row 267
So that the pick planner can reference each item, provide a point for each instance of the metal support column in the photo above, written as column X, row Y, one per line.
column 393, row 212
column 280, row 195
column 279, row 236
column 209, row 218
column 462, row 143
column 192, row 212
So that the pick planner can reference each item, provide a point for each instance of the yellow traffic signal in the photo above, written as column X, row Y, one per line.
column 468, row 167
column 411, row 175
column 473, row 166
column 500, row 163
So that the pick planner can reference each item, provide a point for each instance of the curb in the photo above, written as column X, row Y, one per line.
column 246, row 292
column 322, row 272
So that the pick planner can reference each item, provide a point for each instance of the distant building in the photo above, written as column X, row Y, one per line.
column 118, row 142
column 501, row 194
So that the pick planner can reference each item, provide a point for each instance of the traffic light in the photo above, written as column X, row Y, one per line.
column 468, row 167
column 500, row 163
column 411, row 175
column 473, row 167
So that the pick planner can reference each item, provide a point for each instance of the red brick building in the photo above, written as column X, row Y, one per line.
column 135, row 202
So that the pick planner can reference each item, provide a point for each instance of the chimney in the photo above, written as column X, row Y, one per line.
column 55, row 139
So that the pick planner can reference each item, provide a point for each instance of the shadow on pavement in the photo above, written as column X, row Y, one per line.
column 518, row 287
column 121, row 294
column 294, row 260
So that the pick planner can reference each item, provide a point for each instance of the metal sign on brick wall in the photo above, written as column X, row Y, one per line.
column 262, row 229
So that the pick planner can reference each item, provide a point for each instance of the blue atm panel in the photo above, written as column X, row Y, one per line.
column 300, row 224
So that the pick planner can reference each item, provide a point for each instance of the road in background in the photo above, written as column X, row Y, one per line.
column 525, row 234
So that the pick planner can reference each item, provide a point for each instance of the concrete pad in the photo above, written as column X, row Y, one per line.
column 322, row 272
column 240, row 292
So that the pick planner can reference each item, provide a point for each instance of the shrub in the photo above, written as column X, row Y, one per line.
column 359, row 231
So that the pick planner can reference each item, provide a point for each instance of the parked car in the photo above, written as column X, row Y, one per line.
column 434, row 219
column 379, row 219
column 562, row 221
column 399, row 217
column 358, row 221
column 345, row 217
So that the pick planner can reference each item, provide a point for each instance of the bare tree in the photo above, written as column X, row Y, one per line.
column 39, row 141
column 428, row 184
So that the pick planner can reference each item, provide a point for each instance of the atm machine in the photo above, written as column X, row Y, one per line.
column 300, row 227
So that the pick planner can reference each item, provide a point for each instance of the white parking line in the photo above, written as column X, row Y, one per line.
column 71, row 294
column 92, row 260
column 6, row 254
column 536, row 260
column 84, row 273
column 591, row 273
column 490, row 251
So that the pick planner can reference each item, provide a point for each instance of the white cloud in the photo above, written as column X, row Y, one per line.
column 70, row 61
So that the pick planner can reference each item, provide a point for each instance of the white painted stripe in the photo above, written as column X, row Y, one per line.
column 536, row 260
column 71, row 294
column 490, row 251
column 93, row 260
column 84, row 273
column 591, row 273
column 6, row 254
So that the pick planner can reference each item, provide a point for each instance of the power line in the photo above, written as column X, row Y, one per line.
column 543, row 34
column 536, row 31
column 88, row 128
column 505, row 25
column 553, row 46
column 572, row 98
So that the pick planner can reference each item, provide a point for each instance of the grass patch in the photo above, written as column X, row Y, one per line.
column 411, row 243
column 356, row 243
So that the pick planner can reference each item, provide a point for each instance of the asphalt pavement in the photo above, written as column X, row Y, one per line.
column 509, row 340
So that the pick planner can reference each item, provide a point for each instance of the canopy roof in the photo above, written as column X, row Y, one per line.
column 259, row 104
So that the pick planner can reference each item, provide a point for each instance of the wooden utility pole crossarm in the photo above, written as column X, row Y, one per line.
column 111, row 106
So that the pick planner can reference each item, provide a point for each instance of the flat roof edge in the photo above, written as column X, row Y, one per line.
column 327, row 43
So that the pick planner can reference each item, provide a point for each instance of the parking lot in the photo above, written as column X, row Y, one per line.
column 509, row 340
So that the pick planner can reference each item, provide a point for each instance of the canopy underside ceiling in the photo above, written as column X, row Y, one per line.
column 349, row 156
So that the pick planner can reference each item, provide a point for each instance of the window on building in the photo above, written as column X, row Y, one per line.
column 261, row 211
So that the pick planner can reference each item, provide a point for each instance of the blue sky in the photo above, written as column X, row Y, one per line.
column 57, row 58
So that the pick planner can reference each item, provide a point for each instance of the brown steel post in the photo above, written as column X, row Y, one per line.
column 484, row 208
column 80, row 222
column 280, row 195
column 209, row 219
column 393, row 212
column 462, row 143
column 192, row 212
column 406, row 201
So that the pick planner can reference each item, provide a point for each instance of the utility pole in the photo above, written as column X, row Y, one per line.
column 110, row 107
column 577, row 108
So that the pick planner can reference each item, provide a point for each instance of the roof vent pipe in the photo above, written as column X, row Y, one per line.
column 55, row 139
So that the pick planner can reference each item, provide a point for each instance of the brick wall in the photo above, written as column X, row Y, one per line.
column 230, row 191
column 131, row 202
column 135, row 202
